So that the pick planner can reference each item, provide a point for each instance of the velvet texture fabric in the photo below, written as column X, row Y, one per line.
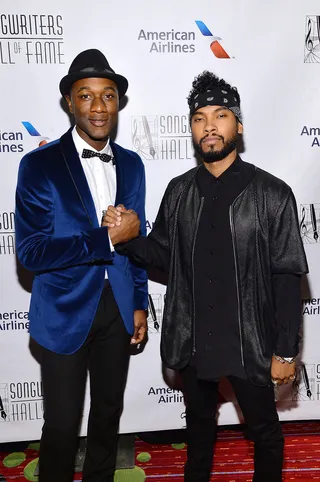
column 58, row 237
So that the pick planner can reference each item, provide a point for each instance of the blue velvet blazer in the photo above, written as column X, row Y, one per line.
column 58, row 238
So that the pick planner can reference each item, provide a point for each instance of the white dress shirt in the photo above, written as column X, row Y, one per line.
column 101, row 176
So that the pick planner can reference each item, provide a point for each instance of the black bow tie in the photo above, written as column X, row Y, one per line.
column 86, row 153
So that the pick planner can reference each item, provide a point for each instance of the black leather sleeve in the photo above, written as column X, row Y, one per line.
column 145, row 251
column 286, row 249
column 287, row 299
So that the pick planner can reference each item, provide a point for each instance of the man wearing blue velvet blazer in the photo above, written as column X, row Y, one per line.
column 88, row 303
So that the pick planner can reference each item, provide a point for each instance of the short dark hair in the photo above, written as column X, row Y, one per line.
column 207, row 80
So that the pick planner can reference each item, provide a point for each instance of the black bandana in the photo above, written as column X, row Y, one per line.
column 217, row 96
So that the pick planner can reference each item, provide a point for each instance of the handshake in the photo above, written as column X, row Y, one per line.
column 123, row 224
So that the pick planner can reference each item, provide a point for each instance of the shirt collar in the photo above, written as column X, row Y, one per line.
column 229, row 176
column 81, row 144
column 232, row 172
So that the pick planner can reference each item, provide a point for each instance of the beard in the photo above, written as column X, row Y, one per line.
column 215, row 156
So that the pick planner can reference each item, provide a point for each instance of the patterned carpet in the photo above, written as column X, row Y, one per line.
column 234, row 456
column 159, row 462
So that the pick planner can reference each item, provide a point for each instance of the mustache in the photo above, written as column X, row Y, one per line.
column 209, row 135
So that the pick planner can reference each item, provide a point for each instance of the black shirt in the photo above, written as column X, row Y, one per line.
column 217, row 325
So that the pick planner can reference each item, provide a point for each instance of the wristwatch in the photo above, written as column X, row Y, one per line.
column 289, row 359
column 284, row 359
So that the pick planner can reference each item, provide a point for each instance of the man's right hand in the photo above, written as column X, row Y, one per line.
column 124, row 228
column 112, row 217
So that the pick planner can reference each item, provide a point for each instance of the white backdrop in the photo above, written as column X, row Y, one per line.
column 273, row 57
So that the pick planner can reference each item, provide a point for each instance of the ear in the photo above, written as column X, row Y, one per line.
column 240, row 128
column 68, row 99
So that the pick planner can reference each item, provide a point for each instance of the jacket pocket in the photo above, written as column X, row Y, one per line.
column 57, row 279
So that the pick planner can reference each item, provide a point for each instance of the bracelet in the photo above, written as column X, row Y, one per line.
column 284, row 359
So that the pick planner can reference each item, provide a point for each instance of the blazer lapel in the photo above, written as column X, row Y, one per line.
column 78, row 177
column 119, row 172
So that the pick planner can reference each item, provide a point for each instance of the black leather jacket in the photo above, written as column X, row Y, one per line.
column 266, row 240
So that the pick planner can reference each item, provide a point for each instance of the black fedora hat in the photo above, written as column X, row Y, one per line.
column 92, row 63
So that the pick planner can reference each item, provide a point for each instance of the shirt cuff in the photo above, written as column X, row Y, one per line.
column 111, row 245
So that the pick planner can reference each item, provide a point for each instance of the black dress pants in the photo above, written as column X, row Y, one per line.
column 259, row 410
column 105, row 353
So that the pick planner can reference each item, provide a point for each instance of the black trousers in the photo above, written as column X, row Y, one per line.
column 259, row 411
column 105, row 354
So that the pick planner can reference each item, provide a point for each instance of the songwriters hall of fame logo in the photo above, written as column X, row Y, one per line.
column 32, row 39
column 306, row 386
column 7, row 233
column 310, row 223
column 155, row 312
column 4, row 402
column 164, row 137
column 21, row 401
column 145, row 136
column 312, row 39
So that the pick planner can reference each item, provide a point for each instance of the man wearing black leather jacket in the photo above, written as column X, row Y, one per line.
column 227, row 233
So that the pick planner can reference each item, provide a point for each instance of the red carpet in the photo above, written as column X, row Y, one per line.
column 233, row 458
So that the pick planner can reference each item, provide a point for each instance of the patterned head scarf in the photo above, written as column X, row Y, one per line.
column 217, row 96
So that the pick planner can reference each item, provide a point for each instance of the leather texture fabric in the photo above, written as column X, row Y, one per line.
column 266, row 238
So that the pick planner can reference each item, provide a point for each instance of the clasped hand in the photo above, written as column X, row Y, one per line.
column 123, row 224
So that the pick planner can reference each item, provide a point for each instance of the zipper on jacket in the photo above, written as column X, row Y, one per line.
column 236, row 270
column 193, row 291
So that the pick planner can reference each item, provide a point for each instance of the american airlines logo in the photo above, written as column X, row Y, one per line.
column 215, row 44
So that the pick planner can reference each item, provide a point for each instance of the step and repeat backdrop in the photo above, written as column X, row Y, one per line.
column 269, row 50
